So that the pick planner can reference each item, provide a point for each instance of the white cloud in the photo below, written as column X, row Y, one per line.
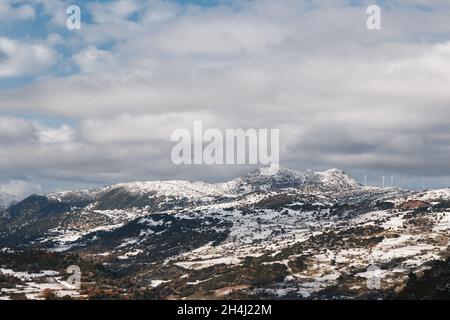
column 94, row 60
column 14, row 130
column 218, row 35
column 20, row 188
column 143, row 128
column 11, row 10
column 63, row 134
column 111, row 12
column 56, row 10
column 23, row 59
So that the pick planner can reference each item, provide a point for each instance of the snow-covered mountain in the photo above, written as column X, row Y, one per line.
column 275, row 232
column 274, row 178
column 6, row 200
column 263, row 179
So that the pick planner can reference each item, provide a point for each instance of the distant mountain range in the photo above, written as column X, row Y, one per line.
column 269, row 234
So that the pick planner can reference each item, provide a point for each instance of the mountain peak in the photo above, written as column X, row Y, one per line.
column 275, row 177
column 336, row 178
column 269, row 170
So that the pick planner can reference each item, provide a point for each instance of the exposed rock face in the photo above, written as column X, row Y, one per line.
column 414, row 204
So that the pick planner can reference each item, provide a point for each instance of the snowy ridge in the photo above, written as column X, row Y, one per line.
column 178, row 188
column 263, row 178
column 335, row 178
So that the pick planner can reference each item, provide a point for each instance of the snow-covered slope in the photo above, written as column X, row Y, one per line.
column 323, row 227
column 6, row 200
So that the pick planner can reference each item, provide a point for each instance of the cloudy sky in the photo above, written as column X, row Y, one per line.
column 98, row 105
